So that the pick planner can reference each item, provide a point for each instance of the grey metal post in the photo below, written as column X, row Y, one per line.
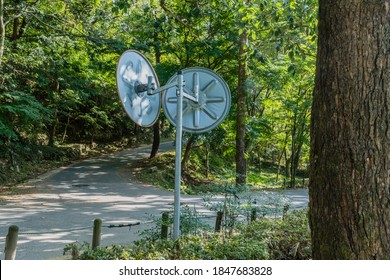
column 11, row 242
column 179, row 128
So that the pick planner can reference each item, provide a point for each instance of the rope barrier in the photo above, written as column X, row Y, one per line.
column 81, row 229
column 123, row 225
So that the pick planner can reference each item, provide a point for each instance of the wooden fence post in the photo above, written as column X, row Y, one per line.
column 253, row 214
column 11, row 243
column 97, row 233
column 285, row 210
column 218, row 221
column 164, row 225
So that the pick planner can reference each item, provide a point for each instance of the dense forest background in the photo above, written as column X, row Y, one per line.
column 57, row 77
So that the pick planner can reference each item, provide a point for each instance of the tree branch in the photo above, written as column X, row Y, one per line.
column 166, row 9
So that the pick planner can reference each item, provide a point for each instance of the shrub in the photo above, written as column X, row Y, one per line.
column 288, row 237
column 268, row 238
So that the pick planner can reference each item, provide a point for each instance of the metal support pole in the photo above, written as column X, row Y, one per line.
column 179, row 127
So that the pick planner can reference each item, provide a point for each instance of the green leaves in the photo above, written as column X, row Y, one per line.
column 20, row 113
column 61, row 69
column 64, row 63
column 284, row 238
column 121, row 5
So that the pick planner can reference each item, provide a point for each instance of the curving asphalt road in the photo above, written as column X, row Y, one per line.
column 62, row 205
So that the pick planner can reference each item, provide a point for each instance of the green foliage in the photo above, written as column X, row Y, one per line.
column 21, row 161
column 217, row 247
column 59, row 60
column 112, row 253
column 160, row 170
column 287, row 238
column 64, row 62
column 191, row 223
column 280, row 238
column 20, row 113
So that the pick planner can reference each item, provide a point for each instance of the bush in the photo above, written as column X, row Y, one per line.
column 218, row 247
column 189, row 247
column 287, row 238
column 269, row 238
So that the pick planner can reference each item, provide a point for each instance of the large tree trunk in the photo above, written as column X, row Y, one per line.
column 241, row 114
column 350, row 132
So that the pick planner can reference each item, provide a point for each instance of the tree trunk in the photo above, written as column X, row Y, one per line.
column 136, row 133
column 156, row 126
column 2, row 31
column 64, row 135
column 349, row 184
column 53, row 130
column 207, row 154
column 52, row 133
column 18, row 29
column 15, row 30
column 241, row 114
column 293, row 169
column 288, row 165
column 156, row 139
column 281, row 156
column 186, row 156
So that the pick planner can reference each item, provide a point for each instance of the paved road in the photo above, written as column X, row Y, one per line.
column 62, row 205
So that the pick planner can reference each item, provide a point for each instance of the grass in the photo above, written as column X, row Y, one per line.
column 158, row 171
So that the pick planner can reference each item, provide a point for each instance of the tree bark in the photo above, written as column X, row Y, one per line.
column 64, row 135
column 18, row 28
column 156, row 126
column 241, row 114
column 293, row 168
column 156, row 139
column 349, row 184
column 207, row 154
column 2, row 31
column 52, row 129
column 283, row 152
column 186, row 156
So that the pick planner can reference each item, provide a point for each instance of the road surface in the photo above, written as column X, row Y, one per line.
column 61, row 205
